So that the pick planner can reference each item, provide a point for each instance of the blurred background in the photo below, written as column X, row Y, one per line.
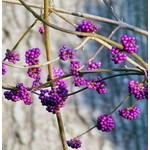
column 32, row 127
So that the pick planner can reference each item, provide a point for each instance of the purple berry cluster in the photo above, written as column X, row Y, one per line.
column 138, row 90
column 101, row 89
column 53, row 99
column 87, row 26
column 92, row 84
column 96, row 84
column 79, row 81
column 36, row 83
column 12, row 56
column 66, row 53
column 93, row 65
column 20, row 93
column 34, row 73
column 118, row 56
column 42, row 30
column 129, row 44
column 75, row 65
column 74, row 143
column 105, row 123
column 58, row 73
column 32, row 59
column 130, row 113
column 4, row 70
column 32, row 56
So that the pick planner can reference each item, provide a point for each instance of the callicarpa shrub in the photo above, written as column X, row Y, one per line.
column 54, row 92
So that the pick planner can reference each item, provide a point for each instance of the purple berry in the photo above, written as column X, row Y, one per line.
column 36, row 83
column 20, row 93
column 79, row 81
column 129, row 44
column 75, row 65
column 87, row 26
column 101, row 89
column 66, row 53
column 12, row 56
column 42, row 30
column 117, row 55
column 130, row 113
column 92, row 85
column 57, row 73
column 4, row 70
column 74, row 143
column 105, row 123
column 34, row 72
column 53, row 99
column 93, row 65
column 138, row 90
column 32, row 56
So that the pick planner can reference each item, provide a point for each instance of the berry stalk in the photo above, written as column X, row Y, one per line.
column 122, row 102
column 50, row 69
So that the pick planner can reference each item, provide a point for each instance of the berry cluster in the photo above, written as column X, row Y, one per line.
column 87, row 26
column 79, row 81
column 4, row 70
column 66, row 53
column 36, row 83
column 96, row 84
column 54, row 99
column 93, row 65
column 138, row 90
column 129, row 44
column 130, row 113
column 75, row 65
column 118, row 56
column 58, row 73
column 42, row 30
column 74, row 143
column 92, row 84
column 32, row 56
column 105, row 123
column 12, row 56
column 32, row 59
column 101, row 89
column 20, row 93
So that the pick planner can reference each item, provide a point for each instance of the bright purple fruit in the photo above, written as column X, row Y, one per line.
column 75, row 65
column 4, row 70
column 79, row 81
column 87, row 26
column 138, row 90
column 42, row 30
column 129, row 44
column 130, row 113
column 66, row 53
column 32, row 56
column 12, row 56
column 53, row 99
column 20, row 93
column 117, row 55
column 105, row 123
column 93, row 65
column 74, row 143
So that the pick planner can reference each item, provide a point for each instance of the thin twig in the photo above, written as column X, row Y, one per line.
column 109, row 70
column 109, row 77
column 93, row 35
column 100, row 49
column 85, row 15
column 64, row 18
column 122, row 102
column 77, row 137
column 22, row 37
